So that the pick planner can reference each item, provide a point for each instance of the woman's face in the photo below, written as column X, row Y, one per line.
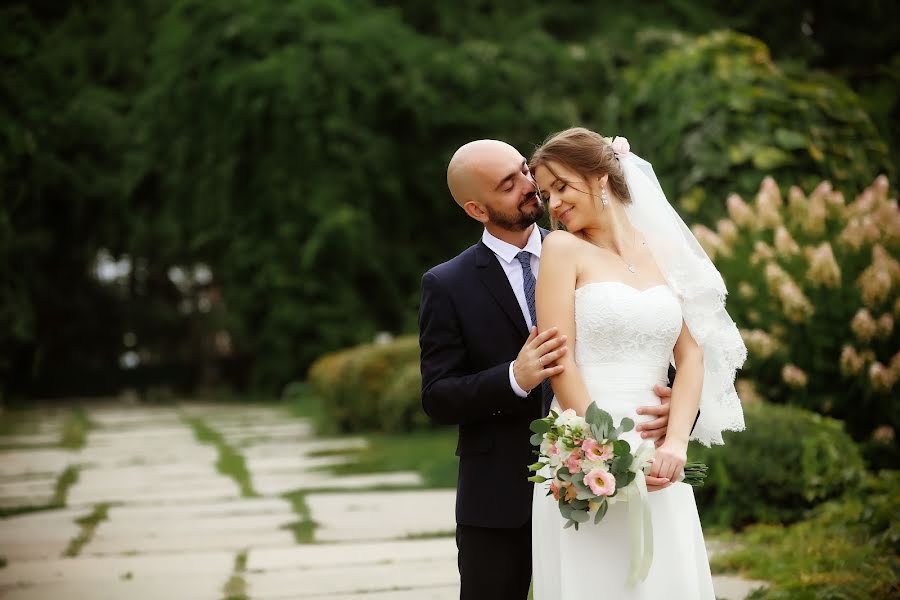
column 567, row 195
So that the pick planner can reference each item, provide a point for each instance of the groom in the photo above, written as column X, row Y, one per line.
column 484, row 363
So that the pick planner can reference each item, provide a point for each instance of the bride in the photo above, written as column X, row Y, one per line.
column 629, row 285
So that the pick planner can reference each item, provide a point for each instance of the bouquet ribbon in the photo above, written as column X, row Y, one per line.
column 640, row 525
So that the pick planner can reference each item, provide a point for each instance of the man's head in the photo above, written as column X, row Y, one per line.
column 491, row 181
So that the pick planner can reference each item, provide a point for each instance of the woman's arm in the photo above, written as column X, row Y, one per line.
column 671, row 456
column 555, row 304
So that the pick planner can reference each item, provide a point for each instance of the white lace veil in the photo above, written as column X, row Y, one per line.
column 701, row 290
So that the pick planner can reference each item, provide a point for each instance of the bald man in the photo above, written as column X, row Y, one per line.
column 484, row 362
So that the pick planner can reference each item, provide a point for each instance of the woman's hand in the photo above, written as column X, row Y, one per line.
column 669, row 460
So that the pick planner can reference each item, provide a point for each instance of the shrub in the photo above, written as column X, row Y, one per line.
column 815, row 286
column 721, row 115
column 787, row 461
column 401, row 403
column 373, row 387
column 849, row 549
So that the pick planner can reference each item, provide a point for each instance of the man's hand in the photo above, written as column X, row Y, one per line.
column 659, row 426
column 537, row 358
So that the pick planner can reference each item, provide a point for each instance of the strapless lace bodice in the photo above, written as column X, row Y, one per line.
column 616, row 323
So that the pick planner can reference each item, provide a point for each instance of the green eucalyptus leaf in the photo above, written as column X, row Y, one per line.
column 580, row 516
column 621, row 448
column 601, row 511
column 539, row 426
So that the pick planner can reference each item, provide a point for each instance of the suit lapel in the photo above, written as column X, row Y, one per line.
column 494, row 279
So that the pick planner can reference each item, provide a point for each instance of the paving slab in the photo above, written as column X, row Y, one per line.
column 144, row 436
column 201, row 510
column 313, row 556
column 280, row 483
column 96, row 489
column 303, row 448
column 188, row 587
column 294, row 464
column 49, row 461
column 103, row 457
column 341, row 579
column 132, row 417
column 52, row 437
column 89, row 569
column 28, row 491
column 39, row 535
column 188, row 541
column 441, row 592
column 381, row 515
column 176, row 525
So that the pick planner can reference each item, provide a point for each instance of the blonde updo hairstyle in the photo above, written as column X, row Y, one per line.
column 588, row 154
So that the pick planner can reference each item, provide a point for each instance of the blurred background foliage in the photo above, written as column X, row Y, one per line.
column 200, row 194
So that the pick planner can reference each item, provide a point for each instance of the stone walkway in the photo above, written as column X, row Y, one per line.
column 151, row 517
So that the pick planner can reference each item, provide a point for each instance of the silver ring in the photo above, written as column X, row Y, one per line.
column 541, row 361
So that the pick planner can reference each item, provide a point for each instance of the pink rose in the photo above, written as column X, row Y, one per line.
column 573, row 460
column 552, row 450
column 601, row 482
column 593, row 450
column 620, row 146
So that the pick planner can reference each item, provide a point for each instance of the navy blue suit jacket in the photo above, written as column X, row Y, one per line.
column 470, row 329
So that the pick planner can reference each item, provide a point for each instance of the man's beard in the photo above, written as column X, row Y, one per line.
column 522, row 219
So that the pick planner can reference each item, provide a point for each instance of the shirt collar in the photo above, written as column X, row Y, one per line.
column 507, row 251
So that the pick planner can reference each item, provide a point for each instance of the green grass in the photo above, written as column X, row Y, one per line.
column 75, row 429
column 66, row 480
column 431, row 535
column 231, row 462
column 846, row 550
column 88, row 527
column 300, row 402
column 430, row 453
column 236, row 587
column 304, row 529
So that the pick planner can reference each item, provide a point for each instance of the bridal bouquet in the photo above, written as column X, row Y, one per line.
column 590, row 467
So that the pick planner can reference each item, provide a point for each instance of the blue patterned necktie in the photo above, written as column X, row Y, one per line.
column 528, row 283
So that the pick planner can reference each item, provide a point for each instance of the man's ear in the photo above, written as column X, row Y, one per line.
column 476, row 211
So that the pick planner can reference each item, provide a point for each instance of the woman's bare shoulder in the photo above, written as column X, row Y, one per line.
column 559, row 241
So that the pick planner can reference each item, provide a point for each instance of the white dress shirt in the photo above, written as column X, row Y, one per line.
column 506, row 256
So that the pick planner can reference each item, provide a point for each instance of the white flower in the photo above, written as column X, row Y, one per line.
column 564, row 418
column 589, row 465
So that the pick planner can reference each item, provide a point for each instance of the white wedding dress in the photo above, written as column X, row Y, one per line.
column 623, row 345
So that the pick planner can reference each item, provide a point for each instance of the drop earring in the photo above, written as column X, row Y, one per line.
column 604, row 198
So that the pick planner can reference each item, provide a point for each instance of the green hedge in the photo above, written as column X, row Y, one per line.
column 373, row 387
column 787, row 461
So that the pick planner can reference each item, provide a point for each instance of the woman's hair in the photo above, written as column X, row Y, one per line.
column 586, row 153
